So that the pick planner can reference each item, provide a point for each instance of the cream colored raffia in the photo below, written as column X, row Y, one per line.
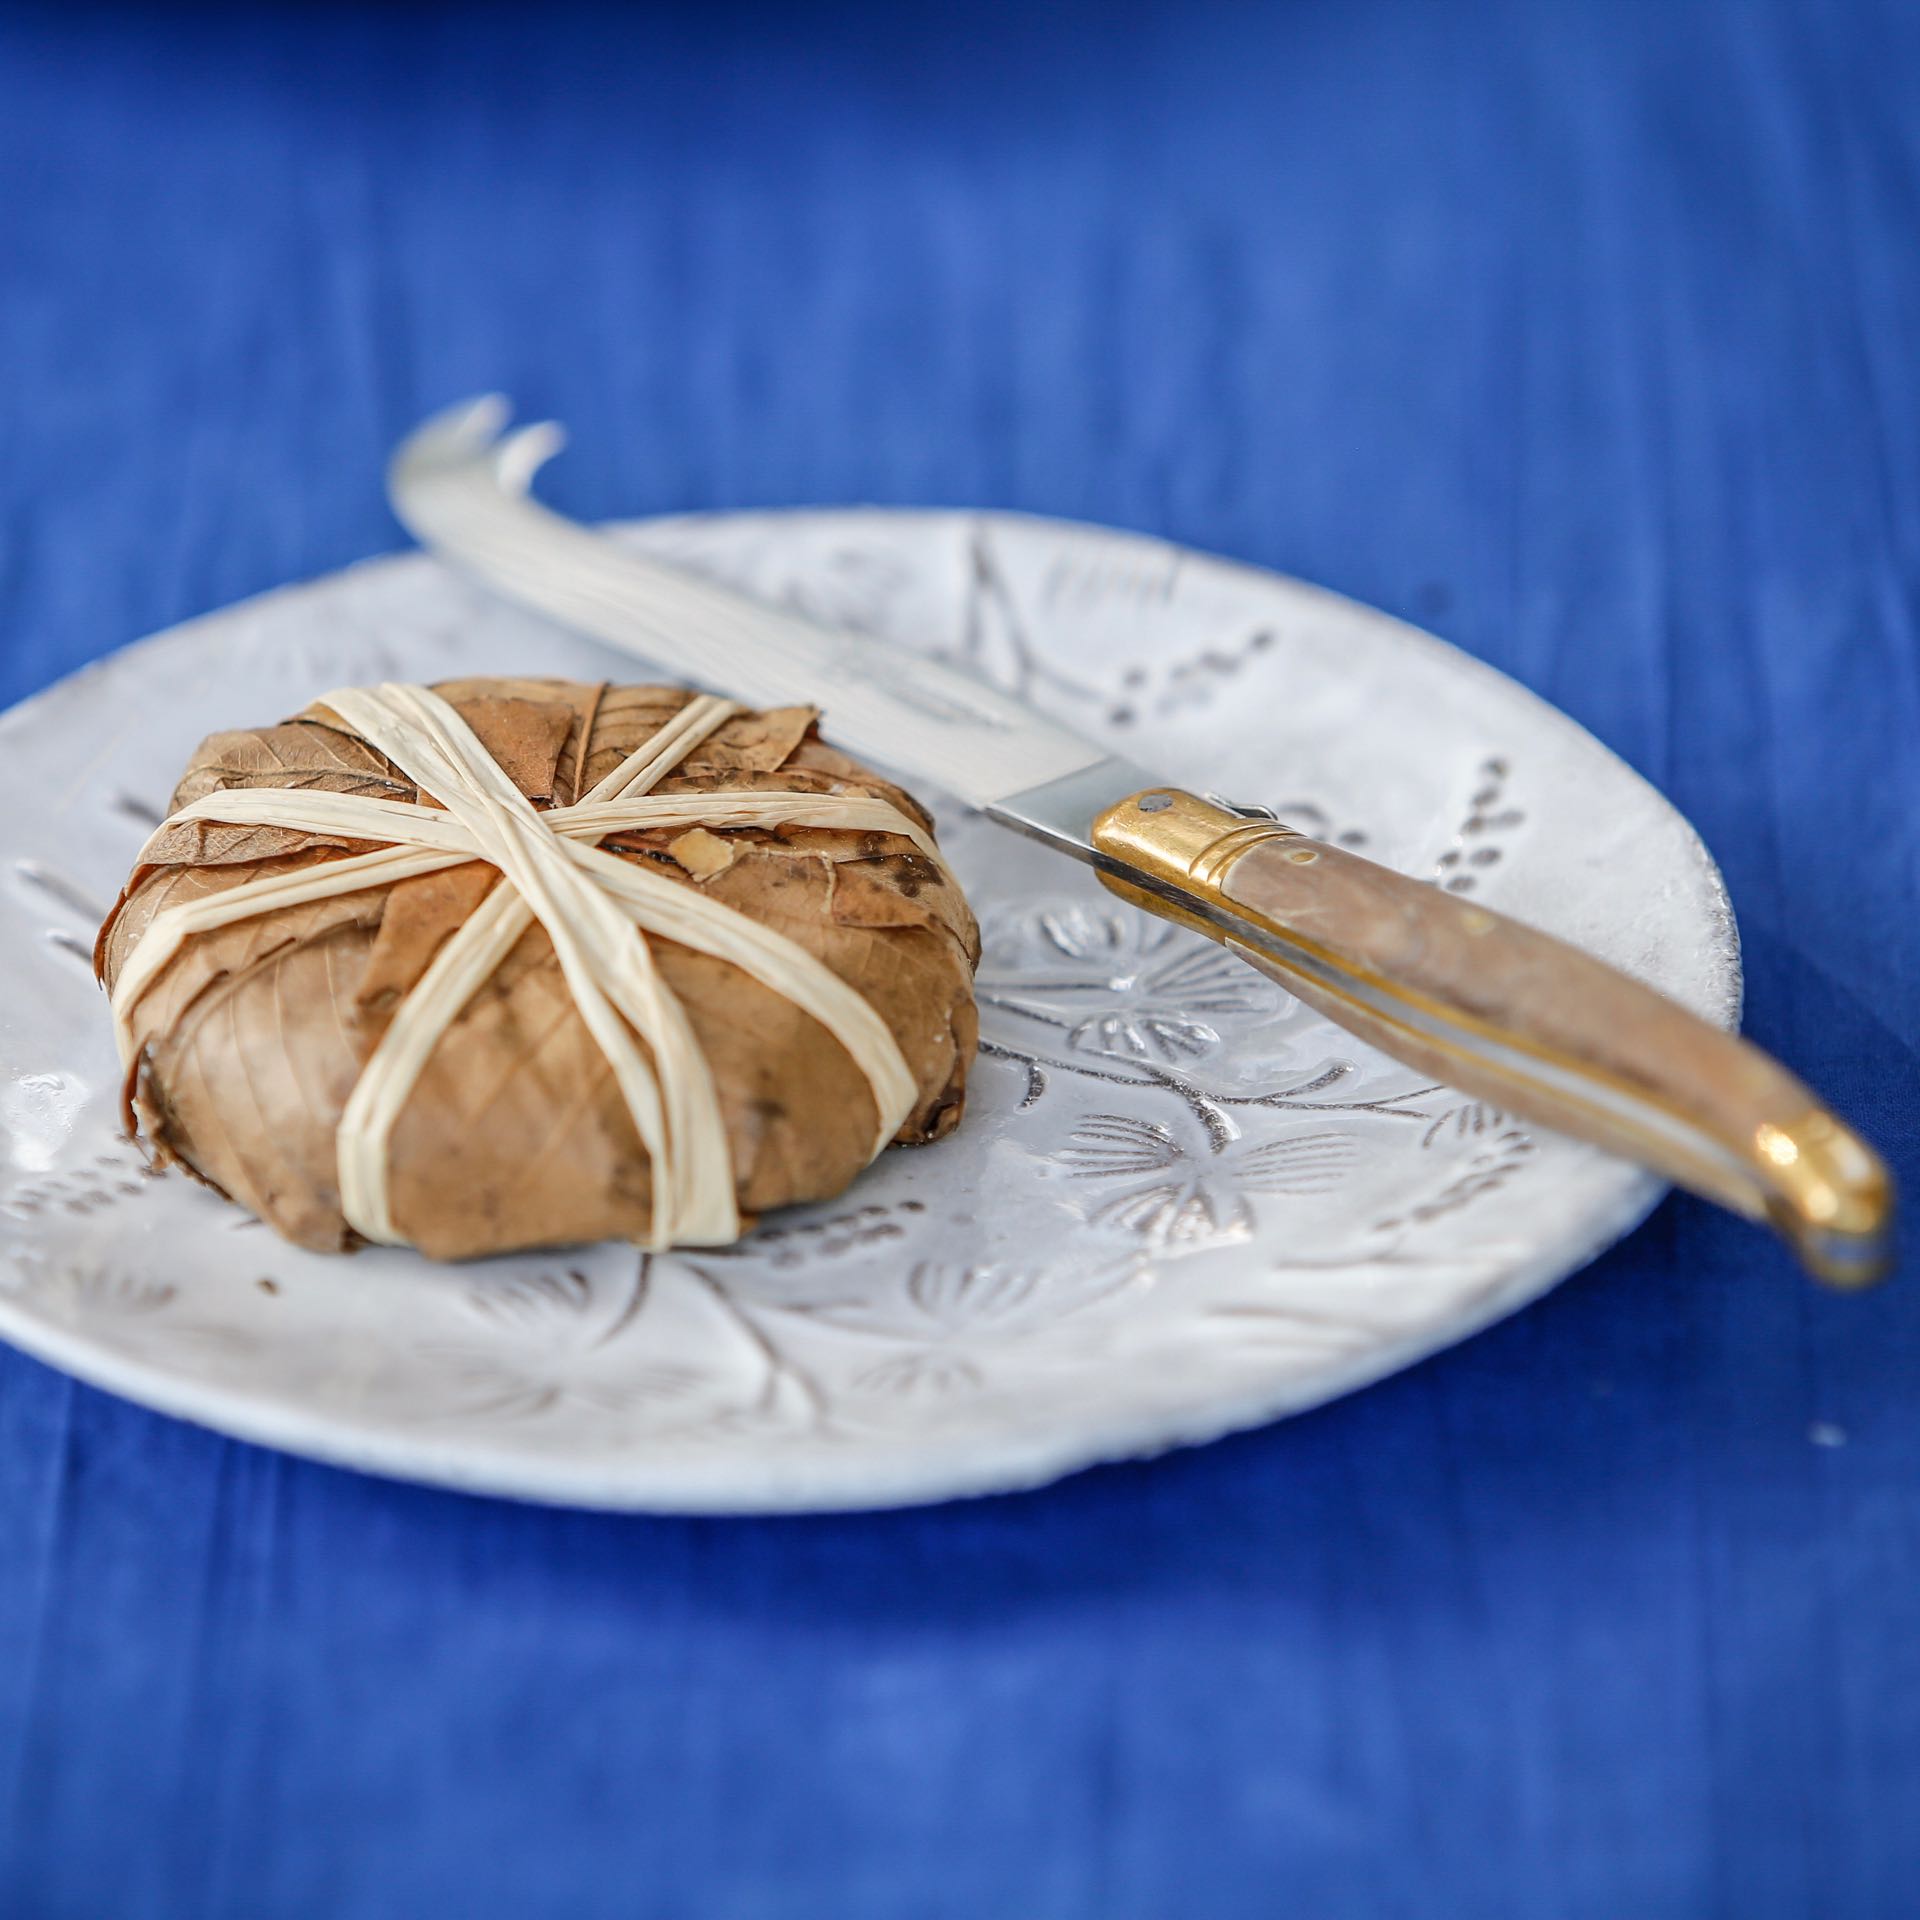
column 597, row 910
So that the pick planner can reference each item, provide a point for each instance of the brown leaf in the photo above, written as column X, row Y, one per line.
column 525, row 736
column 421, row 914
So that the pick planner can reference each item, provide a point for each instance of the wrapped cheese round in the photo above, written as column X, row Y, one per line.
column 246, row 1039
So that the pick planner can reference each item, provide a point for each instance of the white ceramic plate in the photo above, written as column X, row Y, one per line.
column 1180, row 1204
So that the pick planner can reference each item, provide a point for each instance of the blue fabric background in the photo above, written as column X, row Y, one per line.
column 1585, row 334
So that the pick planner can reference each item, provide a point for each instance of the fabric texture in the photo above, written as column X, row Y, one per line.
column 1582, row 333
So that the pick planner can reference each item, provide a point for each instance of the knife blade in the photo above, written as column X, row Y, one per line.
column 1498, row 1009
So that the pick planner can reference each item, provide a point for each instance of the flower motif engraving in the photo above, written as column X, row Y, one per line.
column 1121, row 985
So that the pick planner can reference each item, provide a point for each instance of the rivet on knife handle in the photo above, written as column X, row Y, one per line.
column 1513, row 1016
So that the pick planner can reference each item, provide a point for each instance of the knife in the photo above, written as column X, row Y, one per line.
column 1496, row 1008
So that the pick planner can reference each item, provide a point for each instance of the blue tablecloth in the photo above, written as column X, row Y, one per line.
column 1588, row 335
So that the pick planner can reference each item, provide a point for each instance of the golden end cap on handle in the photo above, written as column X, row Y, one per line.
column 1832, row 1199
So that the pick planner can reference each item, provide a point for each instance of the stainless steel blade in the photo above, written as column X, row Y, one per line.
column 462, row 489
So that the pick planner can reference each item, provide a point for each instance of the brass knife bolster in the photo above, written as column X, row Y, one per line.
column 1177, row 837
column 1186, row 844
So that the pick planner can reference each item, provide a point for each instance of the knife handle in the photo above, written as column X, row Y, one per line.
column 1511, row 1016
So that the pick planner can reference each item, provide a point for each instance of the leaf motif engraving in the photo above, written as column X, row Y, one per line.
column 488, row 1385
column 1179, row 1213
column 1480, row 841
column 1299, row 1329
column 1465, row 1122
column 129, row 1311
column 556, row 1327
column 927, row 1374
column 1122, row 985
column 1142, row 1036
column 956, row 1296
column 100, row 1291
column 1114, row 1145
column 532, row 1300
column 68, row 895
column 1306, row 1163
column 1493, row 1166
column 72, row 942
column 1170, row 1194
column 1080, row 935
column 142, row 812
column 1201, row 977
column 958, row 1306
column 1191, row 680
column 33, row 1112
column 782, row 1243
column 996, row 640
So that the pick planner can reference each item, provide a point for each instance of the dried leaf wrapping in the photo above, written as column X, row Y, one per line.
column 251, row 1040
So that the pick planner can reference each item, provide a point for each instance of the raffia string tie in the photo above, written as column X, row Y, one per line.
column 597, row 910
